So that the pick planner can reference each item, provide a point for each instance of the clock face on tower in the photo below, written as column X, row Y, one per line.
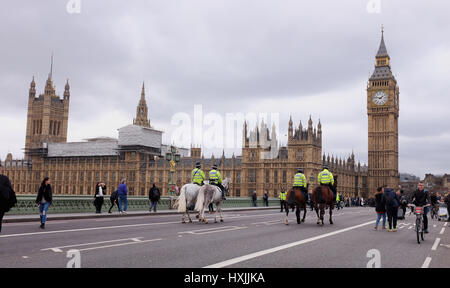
column 379, row 98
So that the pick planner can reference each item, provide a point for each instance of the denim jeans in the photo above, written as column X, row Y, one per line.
column 379, row 215
column 123, row 199
column 153, row 205
column 43, row 208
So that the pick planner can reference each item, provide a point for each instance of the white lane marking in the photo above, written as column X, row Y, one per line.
column 434, row 226
column 115, row 227
column 426, row 263
column 86, row 229
column 283, row 247
column 268, row 222
column 88, row 244
column 25, row 257
column 56, row 250
column 445, row 224
column 212, row 230
column 442, row 231
column 410, row 227
column 121, row 244
column 436, row 243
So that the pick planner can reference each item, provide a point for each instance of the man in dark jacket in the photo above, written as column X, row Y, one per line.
column 7, row 196
column 154, row 196
column 392, row 203
column 422, row 198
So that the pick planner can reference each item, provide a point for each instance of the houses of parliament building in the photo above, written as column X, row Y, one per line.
column 138, row 153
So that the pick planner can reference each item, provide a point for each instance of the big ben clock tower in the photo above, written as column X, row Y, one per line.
column 383, row 112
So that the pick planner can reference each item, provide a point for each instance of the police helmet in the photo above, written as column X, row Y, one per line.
column 300, row 170
column 198, row 165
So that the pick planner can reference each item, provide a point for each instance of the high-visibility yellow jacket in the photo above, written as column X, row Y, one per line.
column 325, row 177
column 299, row 180
column 282, row 196
column 214, row 176
column 198, row 176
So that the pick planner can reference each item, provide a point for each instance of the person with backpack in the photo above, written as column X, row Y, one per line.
column 7, row 196
column 380, row 208
column 114, row 200
column 154, row 196
column 392, row 203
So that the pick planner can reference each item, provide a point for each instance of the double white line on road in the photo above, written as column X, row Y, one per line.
column 282, row 247
column 132, row 241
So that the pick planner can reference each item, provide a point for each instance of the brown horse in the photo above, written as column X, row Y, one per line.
column 322, row 201
column 298, row 201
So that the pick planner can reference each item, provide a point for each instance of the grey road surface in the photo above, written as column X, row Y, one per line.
column 247, row 239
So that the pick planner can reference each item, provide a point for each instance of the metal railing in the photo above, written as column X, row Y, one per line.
column 84, row 204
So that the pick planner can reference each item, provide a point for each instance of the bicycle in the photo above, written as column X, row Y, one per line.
column 418, row 211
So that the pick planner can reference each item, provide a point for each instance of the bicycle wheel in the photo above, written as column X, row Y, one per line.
column 418, row 225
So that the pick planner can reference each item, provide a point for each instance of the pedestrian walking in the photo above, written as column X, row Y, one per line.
column 282, row 198
column 44, row 200
column 210, row 208
column 266, row 199
column 447, row 202
column 392, row 203
column 380, row 208
column 123, row 200
column 114, row 200
column 7, row 196
column 100, row 191
column 154, row 196
column 254, row 199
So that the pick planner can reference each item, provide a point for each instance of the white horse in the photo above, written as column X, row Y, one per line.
column 210, row 194
column 187, row 199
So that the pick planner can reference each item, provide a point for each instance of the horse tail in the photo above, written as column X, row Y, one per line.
column 182, row 200
column 200, row 199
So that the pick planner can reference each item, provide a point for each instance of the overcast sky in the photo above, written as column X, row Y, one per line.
column 295, row 57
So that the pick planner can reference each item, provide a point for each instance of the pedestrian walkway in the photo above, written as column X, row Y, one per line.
column 70, row 216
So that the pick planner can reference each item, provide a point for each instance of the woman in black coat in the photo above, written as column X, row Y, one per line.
column 44, row 199
column 100, row 190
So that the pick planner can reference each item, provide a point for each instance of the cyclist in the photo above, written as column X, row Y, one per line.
column 422, row 198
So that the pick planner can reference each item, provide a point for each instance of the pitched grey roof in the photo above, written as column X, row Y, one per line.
column 383, row 72
column 74, row 149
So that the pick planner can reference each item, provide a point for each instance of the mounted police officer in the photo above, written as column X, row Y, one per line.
column 198, row 176
column 327, row 179
column 216, row 179
column 300, row 182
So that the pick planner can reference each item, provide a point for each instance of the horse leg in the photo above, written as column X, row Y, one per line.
column 304, row 213
column 297, row 213
column 189, row 216
column 331, row 213
column 182, row 218
column 204, row 218
column 215, row 215
column 286, row 221
column 317, row 213
column 219, row 209
column 322, row 213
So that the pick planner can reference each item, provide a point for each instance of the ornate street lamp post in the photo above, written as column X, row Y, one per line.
column 173, row 158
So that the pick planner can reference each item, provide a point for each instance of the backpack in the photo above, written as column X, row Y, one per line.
column 391, row 201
